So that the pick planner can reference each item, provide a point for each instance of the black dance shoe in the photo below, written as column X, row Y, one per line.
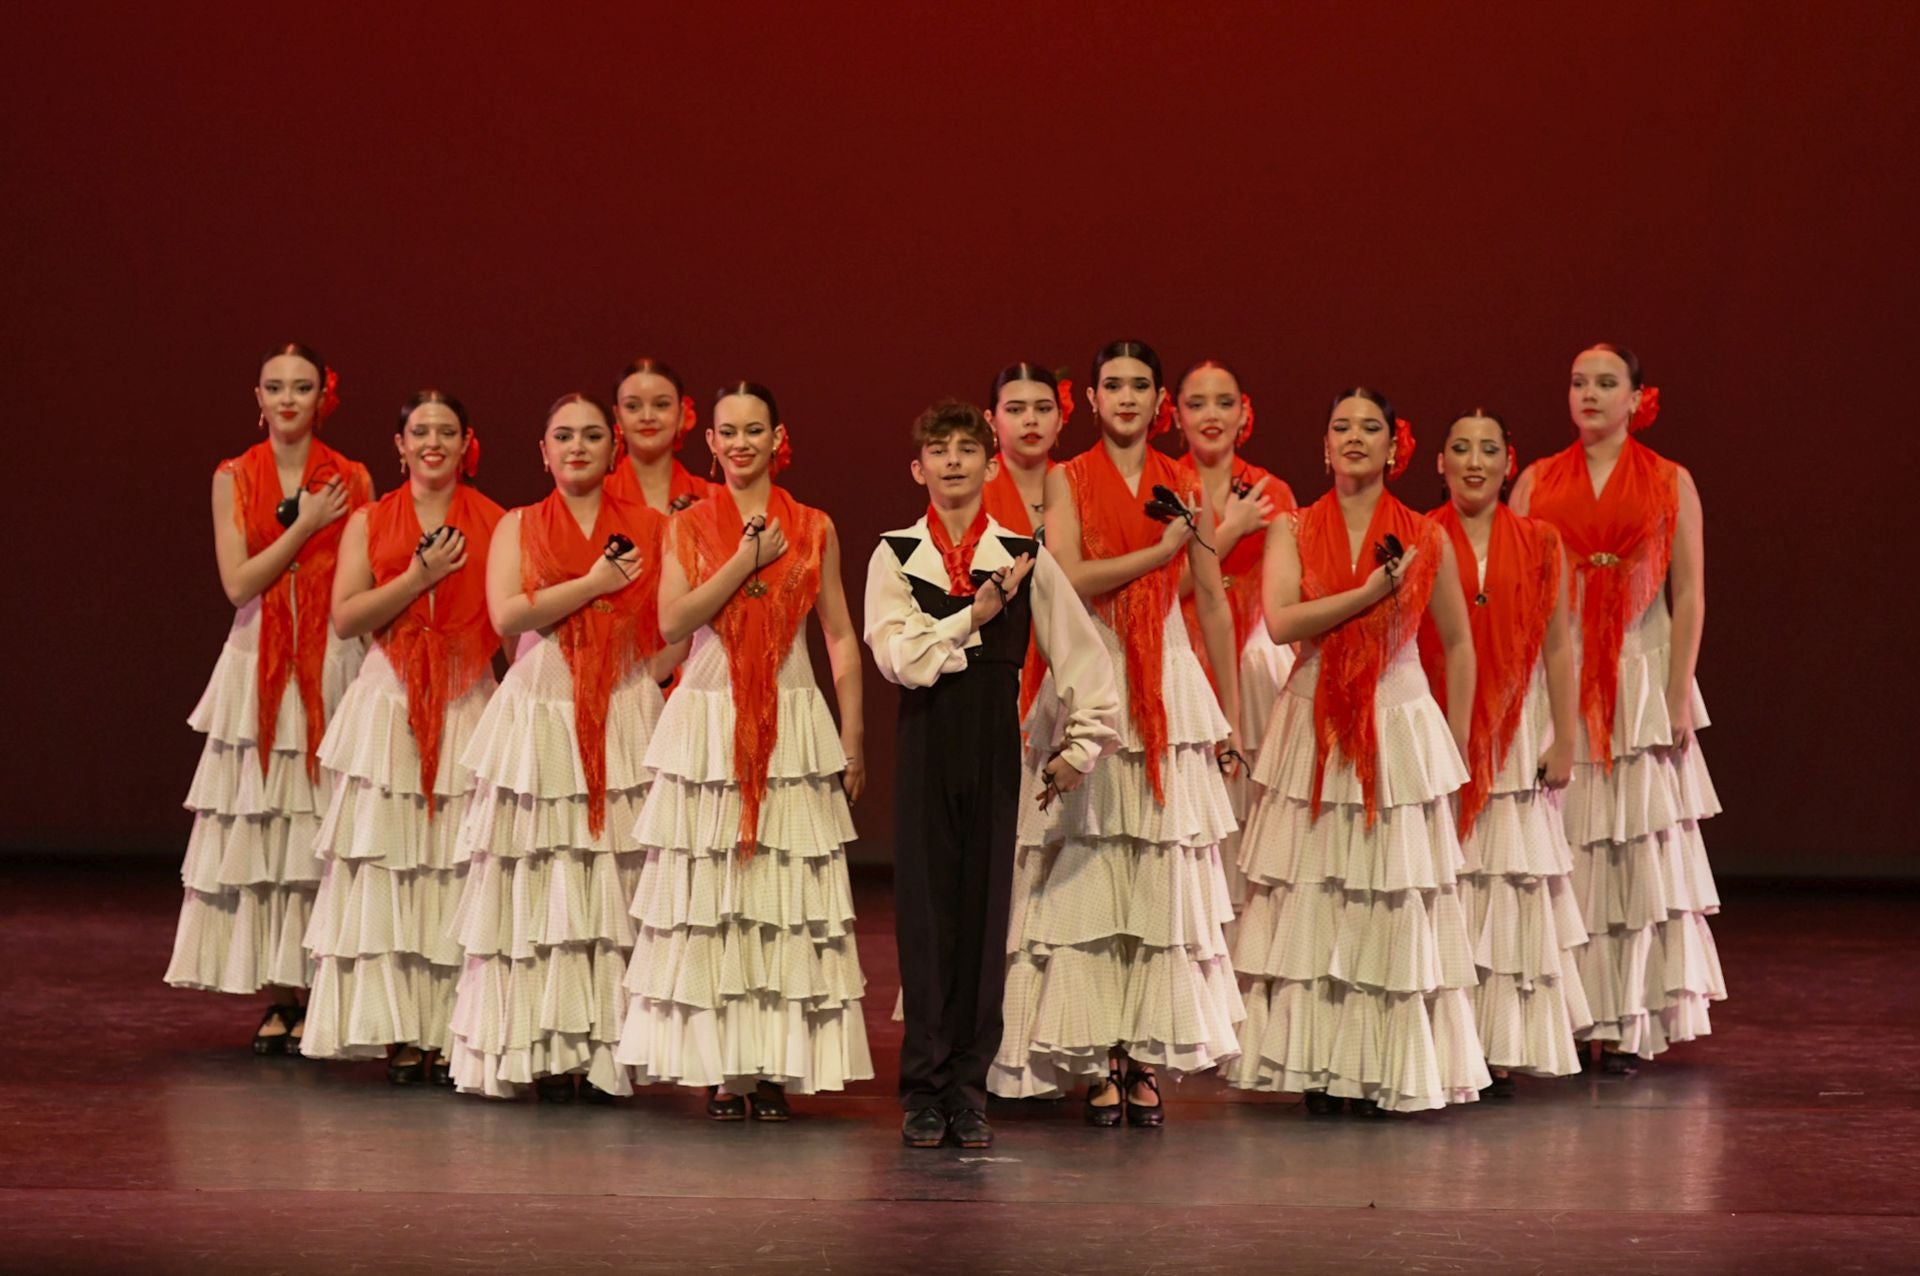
column 1110, row 1115
column 1320, row 1103
column 1618, row 1063
column 591, row 1093
column 924, row 1128
column 970, row 1129
column 413, row 1072
column 725, row 1107
column 1145, row 1116
column 440, row 1073
column 770, row 1103
column 1368, row 1108
column 286, row 1016
column 552, row 1089
column 1501, row 1087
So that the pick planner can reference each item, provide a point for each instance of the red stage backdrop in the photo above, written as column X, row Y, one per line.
column 867, row 207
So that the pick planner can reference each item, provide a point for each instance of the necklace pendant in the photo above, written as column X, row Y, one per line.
column 756, row 588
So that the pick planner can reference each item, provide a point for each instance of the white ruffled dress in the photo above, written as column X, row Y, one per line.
column 251, row 871
column 1640, row 866
column 1523, row 917
column 385, row 966
column 745, row 969
column 542, row 917
column 1354, row 941
column 1119, row 903
column 1264, row 668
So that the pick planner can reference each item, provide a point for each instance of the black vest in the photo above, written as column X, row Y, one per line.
column 1003, row 640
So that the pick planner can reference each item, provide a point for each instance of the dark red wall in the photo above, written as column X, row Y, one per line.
column 870, row 207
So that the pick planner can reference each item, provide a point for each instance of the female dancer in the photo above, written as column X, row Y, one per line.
column 1216, row 420
column 550, row 862
column 1030, row 408
column 1354, row 940
column 1522, row 915
column 1632, row 525
column 250, row 871
column 745, row 978
column 1117, row 960
column 655, row 415
column 413, row 573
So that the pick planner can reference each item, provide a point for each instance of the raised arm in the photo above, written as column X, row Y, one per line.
column 1094, row 577
column 244, row 578
column 1291, row 619
column 514, row 613
column 843, row 654
column 1687, row 592
column 1448, row 607
column 360, row 606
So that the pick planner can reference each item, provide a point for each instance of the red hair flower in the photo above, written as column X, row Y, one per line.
column 688, row 419
column 783, row 454
column 1513, row 463
column 1063, row 393
column 470, row 459
column 329, row 397
column 1402, row 447
column 1163, row 416
column 1649, row 409
column 1246, row 428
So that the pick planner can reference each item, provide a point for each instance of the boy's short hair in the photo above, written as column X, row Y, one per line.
column 949, row 417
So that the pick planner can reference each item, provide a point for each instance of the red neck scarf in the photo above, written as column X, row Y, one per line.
column 1113, row 521
column 1621, row 544
column 757, row 632
column 1007, row 507
column 604, row 639
column 444, row 640
column 683, row 486
column 1355, row 652
column 1241, row 567
column 302, row 597
column 1520, row 589
column 958, row 558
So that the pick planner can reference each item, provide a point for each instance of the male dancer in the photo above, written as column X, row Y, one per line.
column 948, row 622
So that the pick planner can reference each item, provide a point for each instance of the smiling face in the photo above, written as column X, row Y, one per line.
column 744, row 436
column 288, row 395
column 649, row 412
column 431, row 444
column 578, row 447
column 1474, row 462
column 953, row 468
column 1211, row 409
column 1026, row 419
column 1600, row 394
column 1358, row 439
column 1125, row 398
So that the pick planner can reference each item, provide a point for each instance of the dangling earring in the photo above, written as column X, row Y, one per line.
column 263, row 423
column 713, row 468
column 403, row 467
column 1326, row 462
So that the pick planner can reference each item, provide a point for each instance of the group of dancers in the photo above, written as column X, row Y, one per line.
column 1345, row 800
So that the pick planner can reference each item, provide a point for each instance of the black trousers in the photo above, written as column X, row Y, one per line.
column 956, row 799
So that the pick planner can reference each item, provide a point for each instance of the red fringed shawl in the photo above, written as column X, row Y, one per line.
column 1240, row 568
column 444, row 640
column 1010, row 509
column 605, row 639
column 625, row 484
column 296, row 609
column 1521, row 588
column 1620, row 544
column 1356, row 652
column 1113, row 521
column 756, row 632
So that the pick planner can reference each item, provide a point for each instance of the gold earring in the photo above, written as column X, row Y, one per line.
column 403, row 467
column 1326, row 462
column 263, row 423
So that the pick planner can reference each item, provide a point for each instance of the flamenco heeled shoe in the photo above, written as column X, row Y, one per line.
column 1106, row 1115
column 1320, row 1103
column 770, row 1103
column 591, row 1093
column 410, row 1072
column 1618, row 1063
column 725, row 1107
column 264, row 1042
column 552, row 1089
column 1501, row 1087
column 1149, row 1116
column 440, row 1073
